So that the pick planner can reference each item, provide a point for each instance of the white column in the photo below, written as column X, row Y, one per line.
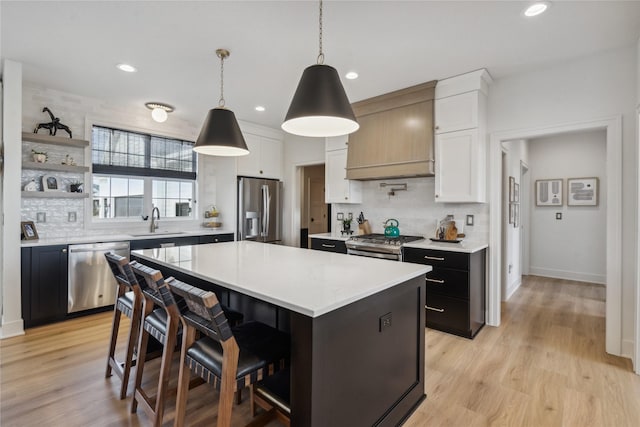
column 11, row 323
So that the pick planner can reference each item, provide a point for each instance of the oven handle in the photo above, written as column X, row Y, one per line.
column 393, row 257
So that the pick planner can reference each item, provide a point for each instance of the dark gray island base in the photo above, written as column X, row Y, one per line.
column 360, row 364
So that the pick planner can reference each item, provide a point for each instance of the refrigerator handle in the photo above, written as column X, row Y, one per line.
column 266, row 199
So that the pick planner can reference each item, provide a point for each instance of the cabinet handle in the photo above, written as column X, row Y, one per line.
column 439, row 310
column 324, row 245
column 435, row 280
column 215, row 240
column 437, row 195
column 64, row 251
column 260, row 172
column 435, row 258
column 437, row 127
column 346, row 198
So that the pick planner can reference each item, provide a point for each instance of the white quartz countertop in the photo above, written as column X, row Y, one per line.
column 118, row 236
column 467, row 246
column 330, row 236
column 302, row 280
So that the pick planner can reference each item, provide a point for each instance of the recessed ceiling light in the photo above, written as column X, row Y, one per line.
column 127, row 68
column 351, row 75
column 536, row 9
column 260, row 108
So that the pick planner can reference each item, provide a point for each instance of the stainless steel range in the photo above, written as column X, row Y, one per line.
column 379, row 246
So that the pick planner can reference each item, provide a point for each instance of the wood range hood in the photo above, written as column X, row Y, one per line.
column 395, row 139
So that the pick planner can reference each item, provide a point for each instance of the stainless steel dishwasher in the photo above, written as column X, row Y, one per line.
column 91, row 282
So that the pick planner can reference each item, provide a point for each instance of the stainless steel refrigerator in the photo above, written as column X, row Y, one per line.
column 259, row 209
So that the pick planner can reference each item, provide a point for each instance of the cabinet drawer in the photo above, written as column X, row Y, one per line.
column 215, row 238
column 329, row 245
column 454, row 283
column 446, row 259
column 448, row 314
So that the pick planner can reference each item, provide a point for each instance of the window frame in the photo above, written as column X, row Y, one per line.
column 124, row 172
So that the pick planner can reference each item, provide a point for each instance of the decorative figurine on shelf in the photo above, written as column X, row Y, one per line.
column 53, row 125
column 39, row 156
column 69, row 161
column 75, row 187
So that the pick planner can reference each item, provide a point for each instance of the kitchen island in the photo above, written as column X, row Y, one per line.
column 356, row 324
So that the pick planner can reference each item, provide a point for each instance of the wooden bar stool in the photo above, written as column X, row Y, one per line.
column 162, row 320
column 128, row 302
column 273, row 395
column 228, row 358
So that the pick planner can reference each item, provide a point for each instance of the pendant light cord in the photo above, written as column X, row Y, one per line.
column 221, row 101
column 320, row 53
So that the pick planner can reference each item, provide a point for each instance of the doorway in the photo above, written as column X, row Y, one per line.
column 314, row 212
column 613, row 131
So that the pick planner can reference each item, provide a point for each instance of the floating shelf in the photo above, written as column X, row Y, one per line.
column 53, row 195
column 54, row 140
column 54, row 167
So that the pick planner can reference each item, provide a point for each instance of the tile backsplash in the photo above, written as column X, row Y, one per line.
column 415, row 209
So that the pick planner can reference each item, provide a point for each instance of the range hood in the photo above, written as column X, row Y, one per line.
column 395, row 139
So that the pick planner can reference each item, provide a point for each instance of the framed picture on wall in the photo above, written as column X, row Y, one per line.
column 512, row 189
column 50, row 183
column 549, row 192
column 29, row 231
column 516, row 192
column 582, row 191
column 512, row 211
column 516, row 215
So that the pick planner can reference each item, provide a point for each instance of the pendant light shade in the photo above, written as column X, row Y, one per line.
column 220, row 134
column 320, row 106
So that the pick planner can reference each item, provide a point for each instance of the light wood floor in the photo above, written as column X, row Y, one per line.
column 545, row 366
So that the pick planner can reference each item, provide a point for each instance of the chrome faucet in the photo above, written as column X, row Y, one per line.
column 154, row 223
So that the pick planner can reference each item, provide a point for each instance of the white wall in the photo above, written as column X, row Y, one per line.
column 595, row 87
column 11, row 320
column 516, row 152
column 415, row 209
column 571, row 248
column 298, row 151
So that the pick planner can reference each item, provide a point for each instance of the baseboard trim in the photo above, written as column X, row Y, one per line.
column 513, row 288
column 568, row 275
column 12, row 329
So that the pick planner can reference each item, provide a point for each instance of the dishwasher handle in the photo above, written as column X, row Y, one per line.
column 98, row 249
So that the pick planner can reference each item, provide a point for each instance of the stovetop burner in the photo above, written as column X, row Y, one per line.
column 378, row 238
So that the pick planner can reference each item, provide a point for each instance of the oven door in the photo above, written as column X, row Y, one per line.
column 394, row 257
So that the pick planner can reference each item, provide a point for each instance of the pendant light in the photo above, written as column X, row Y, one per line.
column 320, row 106
column 220, row 134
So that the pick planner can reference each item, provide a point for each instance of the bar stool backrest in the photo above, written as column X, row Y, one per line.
column 153, row 284
column 121, row 270
column 202, row 311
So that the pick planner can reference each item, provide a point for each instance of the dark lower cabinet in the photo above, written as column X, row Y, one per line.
column 455, row 289
column 44, row 272
column 160, row 242
column 329, row 245
column 216, row 238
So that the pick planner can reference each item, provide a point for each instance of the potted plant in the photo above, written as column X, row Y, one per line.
column 39, row 156
column 346, row 225
column 75, row 187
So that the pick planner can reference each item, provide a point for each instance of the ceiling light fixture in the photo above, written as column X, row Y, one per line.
column 127, row 68
column 320, row 106
column 260, row 108
column 159, row 111
column 536, row 9
column 351, row 75
column 220, row 134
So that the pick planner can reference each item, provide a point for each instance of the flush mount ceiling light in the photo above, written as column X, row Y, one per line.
column 320, row 106
column 126, row 68
column 536, row 9
column 159, row 111
column 220, row 134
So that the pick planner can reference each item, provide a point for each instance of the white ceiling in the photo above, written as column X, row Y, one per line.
column 74, row 46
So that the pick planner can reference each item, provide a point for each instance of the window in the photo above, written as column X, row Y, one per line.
column 134, row 172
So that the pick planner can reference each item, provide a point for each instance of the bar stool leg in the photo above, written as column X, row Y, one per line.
column 131, row 344
column 115, row 326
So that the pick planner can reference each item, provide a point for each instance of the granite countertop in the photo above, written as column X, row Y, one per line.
column 467, row 246
column 305, row 281
column 103, row 236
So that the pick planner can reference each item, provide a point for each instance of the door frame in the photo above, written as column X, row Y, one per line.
column 298, row 187
column 613, row 128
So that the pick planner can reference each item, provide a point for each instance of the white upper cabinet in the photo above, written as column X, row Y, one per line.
column 264, row 159
column 457, row 112
column 339, row 189
column 461, row 138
